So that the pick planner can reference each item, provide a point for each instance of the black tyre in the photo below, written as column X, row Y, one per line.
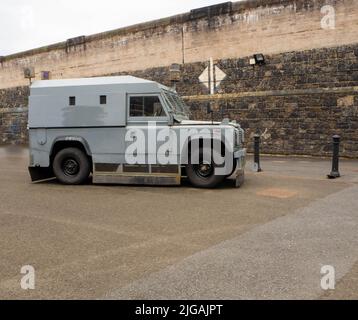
column 71, row 166
column 202, row 175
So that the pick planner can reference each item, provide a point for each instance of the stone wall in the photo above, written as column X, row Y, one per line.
column 13, row 115
column 13, row 126
column 306, row 92
column 297, row 100
column 229, row 30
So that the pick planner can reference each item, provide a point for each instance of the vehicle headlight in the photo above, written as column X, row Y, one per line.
column 242, row 135
column 237, row 138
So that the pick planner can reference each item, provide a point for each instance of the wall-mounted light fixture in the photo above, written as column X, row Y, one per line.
column 29, row 73
column 257, row 59
column 174, row 71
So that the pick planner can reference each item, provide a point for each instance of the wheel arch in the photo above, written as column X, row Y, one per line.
column 186, row 150
column 64, row 142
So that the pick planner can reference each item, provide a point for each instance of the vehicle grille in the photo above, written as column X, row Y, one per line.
column 239, row 137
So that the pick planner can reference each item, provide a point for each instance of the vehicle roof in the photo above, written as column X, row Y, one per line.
column 89, row 82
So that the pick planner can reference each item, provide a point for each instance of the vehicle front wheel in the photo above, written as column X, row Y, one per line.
column 202, row 175
column 71, row 166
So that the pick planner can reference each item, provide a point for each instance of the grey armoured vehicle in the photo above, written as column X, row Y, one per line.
column 126, row 130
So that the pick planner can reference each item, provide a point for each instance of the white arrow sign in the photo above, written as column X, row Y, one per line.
column 212, row 76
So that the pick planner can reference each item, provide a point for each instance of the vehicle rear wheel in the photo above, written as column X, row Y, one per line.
column 71, row 166
column 202, row 175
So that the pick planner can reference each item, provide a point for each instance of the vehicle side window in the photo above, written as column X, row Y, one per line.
column 146, row 106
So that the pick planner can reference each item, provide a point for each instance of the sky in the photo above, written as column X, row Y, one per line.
column 28, row 24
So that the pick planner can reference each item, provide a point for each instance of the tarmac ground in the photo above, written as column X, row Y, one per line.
column 266, row 240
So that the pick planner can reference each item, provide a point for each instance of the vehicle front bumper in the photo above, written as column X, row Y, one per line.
column 239, row 173
column 240, row 157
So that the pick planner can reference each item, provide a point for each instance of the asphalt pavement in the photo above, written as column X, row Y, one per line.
column 267, row 240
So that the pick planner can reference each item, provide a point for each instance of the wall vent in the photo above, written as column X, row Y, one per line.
column 29, row 72
column 45, row 75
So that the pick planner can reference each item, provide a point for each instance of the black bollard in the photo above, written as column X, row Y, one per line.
column 257, row 167
column 335, row 161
